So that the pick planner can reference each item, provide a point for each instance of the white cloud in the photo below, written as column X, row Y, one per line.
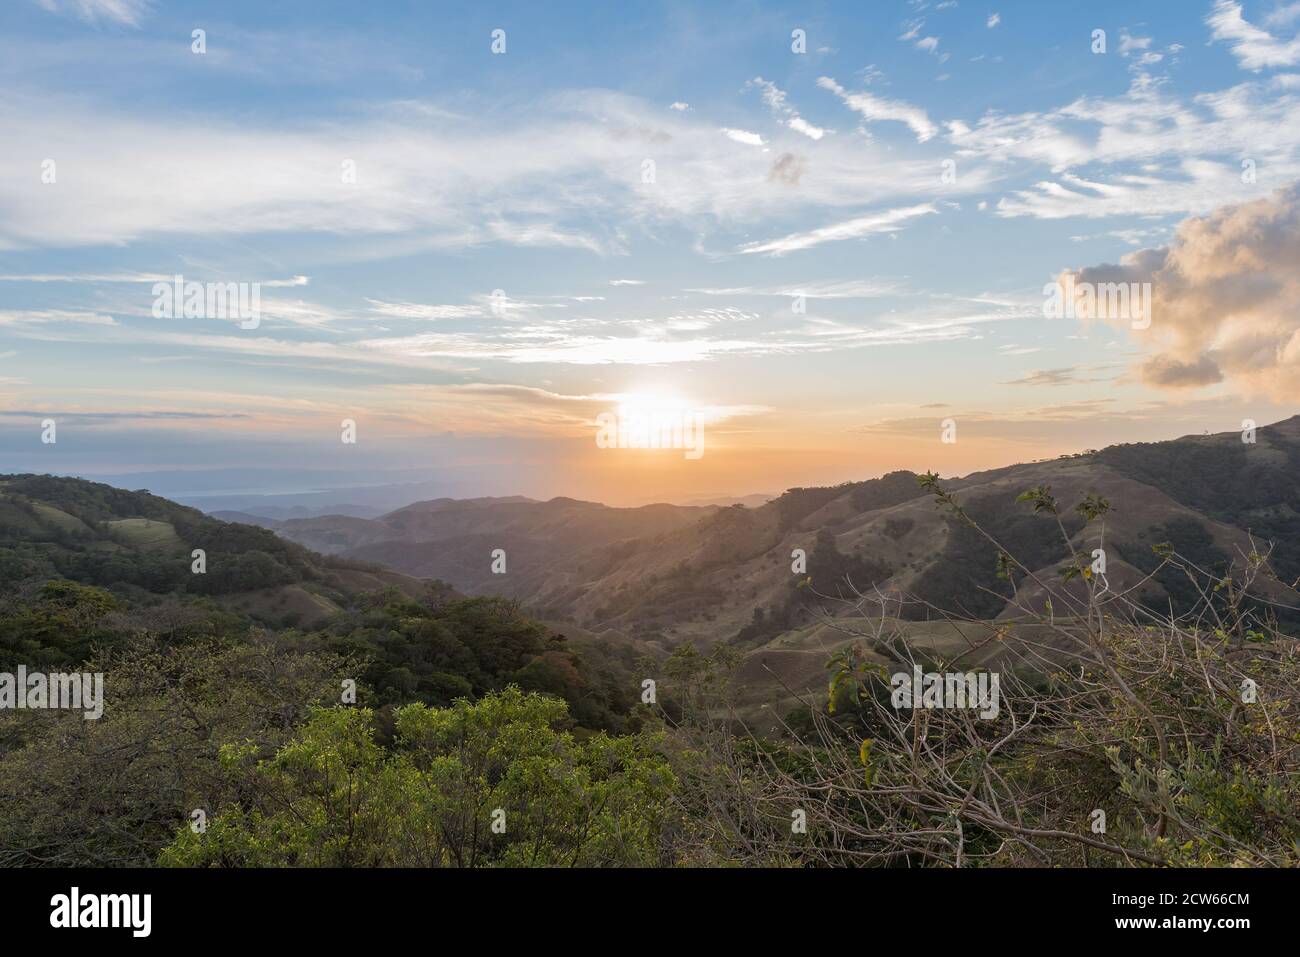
column 569, row 171
column 20, row 317
column 877, row 109
column 1255, row 48
column 1153, row 154
column 545, row 234
column 148, row 277
column 993, row 20
column 912, row 33
column 887, row 222
column 842, row 289
column 800, row 125
column 128, row 12
column 1283, row 15
column 679, row 106
column 777, row 103
column 566, row 350
column 415, row 310
column 743, row 136
column 1128, row 43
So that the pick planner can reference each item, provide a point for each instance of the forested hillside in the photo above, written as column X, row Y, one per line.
column 664, row 575
column 102, row 580
column 408, row 724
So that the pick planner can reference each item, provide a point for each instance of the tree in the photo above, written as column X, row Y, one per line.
column 486, row 783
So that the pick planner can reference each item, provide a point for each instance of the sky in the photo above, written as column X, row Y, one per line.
column 821, row 233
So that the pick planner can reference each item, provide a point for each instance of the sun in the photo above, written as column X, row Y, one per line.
column 652, row 421
column 652, row 407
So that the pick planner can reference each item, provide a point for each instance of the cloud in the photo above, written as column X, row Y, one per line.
column 1283, row 15
column 1151, row 153
column 1129, row 43
column 993, row 20
column 546, row 234
column 249, row 180
column 415, row 310
column 1071, row 427
column 1138, row 50
column 120, row 416
column 127, row 12
column 912, row 34
column 1255, row 48
column 143, row 277
column 800, row 125
column 1045, row 377
column 843, row 289
column 1069, row 375
column 134, row 277
column 743, row 136
column 1223, row 298
column 889, row 221
column 777, row 103
column 570, row 349
column 679, row 106
column 627, row 282
column 1168, row 372
column 22, row 317
column 877, row 109
column 569, row 171
column 500, row 407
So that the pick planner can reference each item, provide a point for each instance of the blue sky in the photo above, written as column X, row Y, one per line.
column 502, row 266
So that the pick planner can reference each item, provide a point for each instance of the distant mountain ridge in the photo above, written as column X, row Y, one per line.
column 669, row 573
column 453, row 539
column 632, row 582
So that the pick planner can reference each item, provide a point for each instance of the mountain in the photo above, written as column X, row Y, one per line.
column 454, row 539
column 141, row 545
column 646, row 580
column 666, row 574
column 268, row 515
column 86, row 565
column 749, row 501
column 248, row 518
column 101, row 576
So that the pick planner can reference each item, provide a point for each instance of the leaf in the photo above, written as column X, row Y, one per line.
column 864, row 755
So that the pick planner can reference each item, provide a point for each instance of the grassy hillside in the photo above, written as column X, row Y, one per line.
column 136, row 544
column 390, row 730
column 85, row 566
column 667, row 576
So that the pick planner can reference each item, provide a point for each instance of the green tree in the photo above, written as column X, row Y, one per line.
column 486, row 783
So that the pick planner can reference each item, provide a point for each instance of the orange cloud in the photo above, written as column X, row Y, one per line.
column 1225, row 298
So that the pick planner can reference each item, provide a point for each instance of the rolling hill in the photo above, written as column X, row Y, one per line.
column 139, row 544
column 666, row 574
column 649, row 579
